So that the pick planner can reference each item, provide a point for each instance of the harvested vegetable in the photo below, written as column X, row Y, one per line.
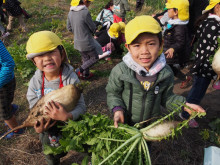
column 67, row 96
column 96, row 134
column 216, row 62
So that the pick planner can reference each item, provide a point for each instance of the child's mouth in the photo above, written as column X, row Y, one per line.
column 145, row 60
column 51, row 65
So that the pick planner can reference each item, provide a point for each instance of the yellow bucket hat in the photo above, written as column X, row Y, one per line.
column 182, row 6
column 41, row 42
column 76, row 2
column 141, row 24
column 122, row 25
column 211, row 5
column 114, row 30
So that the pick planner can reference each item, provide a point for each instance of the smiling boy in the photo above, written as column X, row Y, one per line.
column 142, row 82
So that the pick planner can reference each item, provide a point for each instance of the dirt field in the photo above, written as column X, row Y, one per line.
column 187, row 149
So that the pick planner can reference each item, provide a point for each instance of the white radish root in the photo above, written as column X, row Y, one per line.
column 160, row 131
column 67, row 96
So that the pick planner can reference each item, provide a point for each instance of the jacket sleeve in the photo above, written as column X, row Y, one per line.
column 99, row 15
column 90, row 23
column 114, row 89
column 32, row 94
column 169, row 98
column 180, row 40
column 7, row 66
column 68, row 25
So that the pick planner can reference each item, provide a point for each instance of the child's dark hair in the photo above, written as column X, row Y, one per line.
column 109, row 4
column 202, row 18
column 159, row 35
column 175, row 9
column 60, row 48
column 81, row 2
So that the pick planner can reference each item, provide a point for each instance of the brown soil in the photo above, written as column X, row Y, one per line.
column 186, row 149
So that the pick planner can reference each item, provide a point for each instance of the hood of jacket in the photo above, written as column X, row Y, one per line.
column 78, row 8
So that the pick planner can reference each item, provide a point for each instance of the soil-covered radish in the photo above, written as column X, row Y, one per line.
column 67, row 96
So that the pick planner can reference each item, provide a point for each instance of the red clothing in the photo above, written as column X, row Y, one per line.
column 117, row 19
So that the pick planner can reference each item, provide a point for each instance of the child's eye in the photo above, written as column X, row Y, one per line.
column 136, row 45
column 152, row 43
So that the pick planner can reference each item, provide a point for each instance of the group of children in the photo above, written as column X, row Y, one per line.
column 137, row 87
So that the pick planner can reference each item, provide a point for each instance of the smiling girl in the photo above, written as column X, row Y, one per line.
column 45, row 49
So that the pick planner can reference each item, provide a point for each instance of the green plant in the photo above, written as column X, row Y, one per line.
column 24, row 67
column 212, row 135
column 125, row 145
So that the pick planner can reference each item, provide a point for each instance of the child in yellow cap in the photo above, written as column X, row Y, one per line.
column 207, row 33
column 142, row 82
column 176, row 36
column 46, row 51
column 80, row 23
column 108, row 39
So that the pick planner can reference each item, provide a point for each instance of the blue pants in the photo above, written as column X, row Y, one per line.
column 197, row 92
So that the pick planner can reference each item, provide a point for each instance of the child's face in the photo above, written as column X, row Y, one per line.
column 87, row 3
column 145, row 49
column 172, row 14
column 49, row 62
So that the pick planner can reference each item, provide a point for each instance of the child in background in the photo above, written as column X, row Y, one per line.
column 208, row 31
column 142, row 82
column 119, row 10
column 108, row 39
column 139, row 5
column 121, row 38
column 176, row 38
column 80, row 23
column 7, row 88
column 15, row 11
column 47, row 53
column 2, row 29
column 106, row 14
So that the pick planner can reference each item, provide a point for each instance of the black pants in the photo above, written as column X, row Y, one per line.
column 6, row 98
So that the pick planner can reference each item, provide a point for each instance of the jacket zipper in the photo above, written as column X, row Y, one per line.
column 143, row 106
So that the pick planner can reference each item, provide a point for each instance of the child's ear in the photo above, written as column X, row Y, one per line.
column 63, row 56
column 33, row 61
column 176, row 13
column 161, row 48
column 127, row 46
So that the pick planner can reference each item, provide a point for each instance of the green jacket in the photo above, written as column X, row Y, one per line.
column 123, row 86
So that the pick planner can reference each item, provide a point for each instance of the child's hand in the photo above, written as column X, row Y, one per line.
column 194, row 107
column 169, row 53
column 118, row 118
column 57, row 112
column 41, row 127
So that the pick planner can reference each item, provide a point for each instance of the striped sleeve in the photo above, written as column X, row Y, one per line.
column 6, row 66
